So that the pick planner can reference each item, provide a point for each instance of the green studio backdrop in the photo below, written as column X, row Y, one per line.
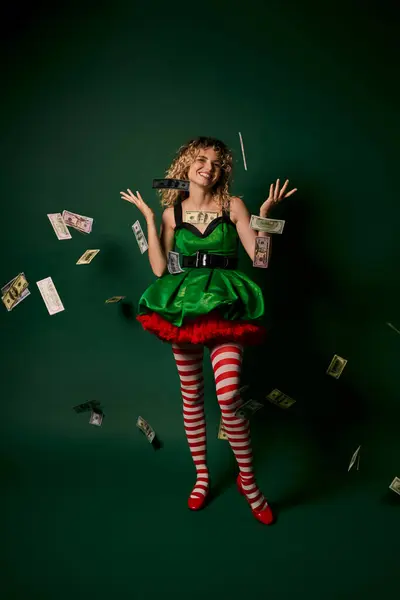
column 96, row 99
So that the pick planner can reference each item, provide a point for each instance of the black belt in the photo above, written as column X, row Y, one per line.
column 211, row 261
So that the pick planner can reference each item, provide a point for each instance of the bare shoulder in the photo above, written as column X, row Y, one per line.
column 238, row 208
column 168, row 217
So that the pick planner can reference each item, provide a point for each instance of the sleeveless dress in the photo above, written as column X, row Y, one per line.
column 204, row 305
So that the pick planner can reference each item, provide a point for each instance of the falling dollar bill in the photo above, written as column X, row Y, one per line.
column 96, row 418
column 14, row 291
column 86, row 406
column 222, row 435
column 115, row 299
column 140, row 237
column 87, row 257
column 79, row 222
column 171, row 184
column 336, row 366
column 200, row 217
column 59, row 226
column 280, row 399
column 393, row 327
column 242, row 147
column 354, row 458
column 262, row 252
column 395, row 485
column 266, row 225
column 146, row 429
column 248, row 409
column 50, row 295
column 173, row 263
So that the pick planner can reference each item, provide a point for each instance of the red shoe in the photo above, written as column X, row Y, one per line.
column 198, row 502
column 265, row 516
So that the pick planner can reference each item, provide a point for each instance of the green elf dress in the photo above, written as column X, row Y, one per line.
column 210, row 301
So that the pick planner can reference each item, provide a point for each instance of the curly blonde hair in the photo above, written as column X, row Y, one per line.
column 179, row 169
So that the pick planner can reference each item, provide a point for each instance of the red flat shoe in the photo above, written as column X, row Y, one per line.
column 265, row 516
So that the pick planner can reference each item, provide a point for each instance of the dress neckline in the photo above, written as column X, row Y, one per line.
column 180, row 224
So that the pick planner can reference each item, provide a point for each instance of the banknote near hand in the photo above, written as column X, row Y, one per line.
column 266, row 225
column 140, row 237
column 262, row 252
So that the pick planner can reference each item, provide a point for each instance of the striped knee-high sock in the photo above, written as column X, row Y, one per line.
column 189, row 361
column 226, row 361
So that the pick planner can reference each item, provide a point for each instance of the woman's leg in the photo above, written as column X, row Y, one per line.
column 226, row 361
column 189, row 361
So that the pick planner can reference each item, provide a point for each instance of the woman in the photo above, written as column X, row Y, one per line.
column 206, row 301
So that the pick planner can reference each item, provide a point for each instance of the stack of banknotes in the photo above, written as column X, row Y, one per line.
column 15, row 291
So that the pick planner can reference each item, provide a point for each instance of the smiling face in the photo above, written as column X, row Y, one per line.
column 205, row 169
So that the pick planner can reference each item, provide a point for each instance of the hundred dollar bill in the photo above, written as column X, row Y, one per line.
column 248, row 409
column 14, row 291
column 280, row 399
column 96, row 418
column 262, row 252
column 173, row 263
column 86, row 406
column 87, row 257
column 336, row 366
column 395, row 485
column 200, row 217
column 354, row 458
column 146, row 429
column 267, row 225
column 221, row 431
column 50, row 295
column 140, row 237
column 59, row 226
column 171, row 184
column 115, row 299
column 79, row 222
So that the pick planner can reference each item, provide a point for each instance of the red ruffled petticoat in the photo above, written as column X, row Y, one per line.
column 205, row 329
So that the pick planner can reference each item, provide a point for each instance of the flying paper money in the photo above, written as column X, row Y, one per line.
column 173, row 263
column 59, row 226
column 393, row 327
column 248, row 409
column 354, row 458
column 86, row 406
column 200, row 217
column 50, row 296
column 262, row 252
column 336, row 366
column 115, row 299
column 83, row 224
column 14, row 291
column 266, row 225
column 146, row 429
column 242, row 147
column 87, row 257
column 140, row 238
column 96, row 418
column 222, row 435
column 395, row 485
column 171, row 184
column 279, row 399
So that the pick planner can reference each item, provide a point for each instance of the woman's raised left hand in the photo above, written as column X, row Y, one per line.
column 275, row 196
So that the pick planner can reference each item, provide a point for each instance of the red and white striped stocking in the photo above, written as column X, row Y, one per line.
column 189, row 361
column 226, row 361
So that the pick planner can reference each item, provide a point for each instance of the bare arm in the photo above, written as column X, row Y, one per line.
column 159, row 246
column 241, row 218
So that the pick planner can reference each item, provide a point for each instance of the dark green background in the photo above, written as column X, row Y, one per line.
column 97, row 98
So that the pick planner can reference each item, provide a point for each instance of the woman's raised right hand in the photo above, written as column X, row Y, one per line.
column 138, row 201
